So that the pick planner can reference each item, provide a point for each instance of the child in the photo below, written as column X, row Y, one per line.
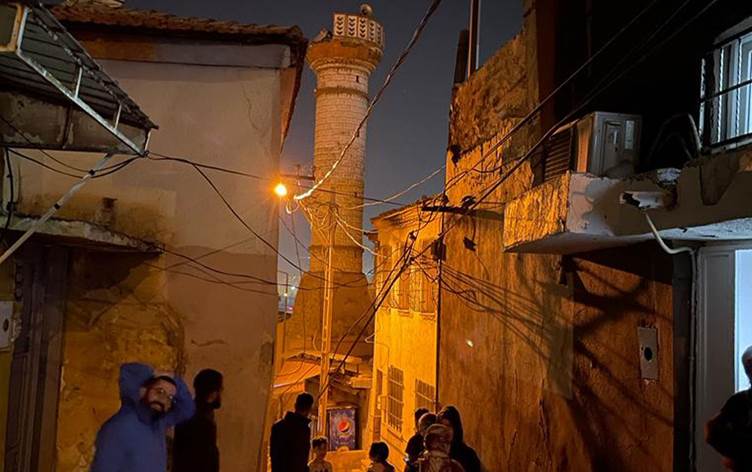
column 320, row 447
column 378, row 454
column 438, row 441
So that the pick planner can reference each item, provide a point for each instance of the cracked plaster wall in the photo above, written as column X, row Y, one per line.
column 163, row 310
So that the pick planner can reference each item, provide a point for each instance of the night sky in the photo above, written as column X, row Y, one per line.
column 407, row 133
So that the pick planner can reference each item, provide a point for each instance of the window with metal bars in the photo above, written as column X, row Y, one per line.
column 423, row 298
column 404, row 286
column 726, row 101
column 395, row 397
column 424, row 395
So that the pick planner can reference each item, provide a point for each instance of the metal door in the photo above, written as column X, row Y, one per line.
column 37, row 355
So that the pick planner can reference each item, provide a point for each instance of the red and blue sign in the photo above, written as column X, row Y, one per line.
column 343, row 430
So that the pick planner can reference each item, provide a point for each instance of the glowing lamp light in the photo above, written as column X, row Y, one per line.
column 280, row 190
column 469, row 343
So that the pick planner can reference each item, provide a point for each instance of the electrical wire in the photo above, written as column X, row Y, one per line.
column 352, row 238
column 402, row 192
column 9, row 208
column 390, row 75
column 250, row 229
column 103, row 172
column 602, row 85
column 526, row 156
column 533, row 113
column 241, row 219
column 50, row 212
column 36, row 146
column 184, row 160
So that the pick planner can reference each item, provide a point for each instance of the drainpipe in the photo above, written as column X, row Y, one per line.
column 460, row 63
column 692, row 335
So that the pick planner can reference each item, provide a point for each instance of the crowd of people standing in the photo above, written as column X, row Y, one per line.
column 134, row 438
column 438, row 444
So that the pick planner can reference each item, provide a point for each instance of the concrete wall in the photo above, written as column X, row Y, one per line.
column 540, row 352
column 122, row 308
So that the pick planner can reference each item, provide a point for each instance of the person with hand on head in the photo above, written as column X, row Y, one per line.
column 133, row 439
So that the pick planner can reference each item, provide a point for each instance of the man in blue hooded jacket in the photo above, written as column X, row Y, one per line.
column 133, row 439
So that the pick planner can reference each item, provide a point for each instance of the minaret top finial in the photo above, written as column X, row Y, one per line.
column 366, row 10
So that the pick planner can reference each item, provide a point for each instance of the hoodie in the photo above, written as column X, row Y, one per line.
column 133, row 439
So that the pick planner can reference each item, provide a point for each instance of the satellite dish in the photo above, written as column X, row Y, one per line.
column 366, row 10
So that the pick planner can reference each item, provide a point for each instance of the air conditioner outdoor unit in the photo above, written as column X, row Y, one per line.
column 602, row 144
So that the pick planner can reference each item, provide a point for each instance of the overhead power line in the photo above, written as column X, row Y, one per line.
column 486, row 193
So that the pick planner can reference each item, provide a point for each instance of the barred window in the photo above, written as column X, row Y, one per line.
column 726, row 103
column 424, row 293
column 395, row 397
column 424, row 395
column 403, row 289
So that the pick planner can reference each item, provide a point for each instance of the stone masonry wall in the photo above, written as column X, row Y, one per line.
column 540, row 352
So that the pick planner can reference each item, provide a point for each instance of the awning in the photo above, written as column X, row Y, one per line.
column 55, row 96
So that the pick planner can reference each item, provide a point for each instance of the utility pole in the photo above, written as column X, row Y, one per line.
column 473, row 49
column 326, row 321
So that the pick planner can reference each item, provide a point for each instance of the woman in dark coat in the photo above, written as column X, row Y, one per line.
column 461, row 452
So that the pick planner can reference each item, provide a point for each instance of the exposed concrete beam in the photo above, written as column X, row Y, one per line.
column 81, row 233
column 582, row 212
column 36, row 123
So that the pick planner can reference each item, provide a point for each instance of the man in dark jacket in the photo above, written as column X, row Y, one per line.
column 290, row 441
column 134, row 438
column 195, row 448
column 730, row 433
column 415, row 445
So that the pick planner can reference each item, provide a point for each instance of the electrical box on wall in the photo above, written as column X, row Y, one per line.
column 648, row 338
column 6, row 325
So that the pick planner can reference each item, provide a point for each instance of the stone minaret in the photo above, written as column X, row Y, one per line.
column 342, row 60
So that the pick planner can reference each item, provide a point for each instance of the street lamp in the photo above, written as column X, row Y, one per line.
column 280, row 190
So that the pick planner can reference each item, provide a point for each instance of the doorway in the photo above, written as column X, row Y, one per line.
column 36, row 360
column 724, row 331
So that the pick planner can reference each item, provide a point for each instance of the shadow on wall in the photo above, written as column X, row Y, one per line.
column 581, row 330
